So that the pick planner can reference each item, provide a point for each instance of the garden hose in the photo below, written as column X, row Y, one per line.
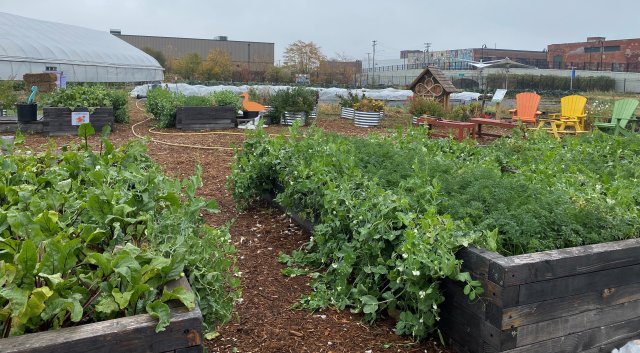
column 171, row 143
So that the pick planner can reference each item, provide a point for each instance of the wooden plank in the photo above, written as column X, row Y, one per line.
column 477, row 260
column 194, row 349
column 567, row 325
column 552, row 309
column 585, row 340
column 574, row 285
column 458, row 321
column 130, row 334
column 553, row 264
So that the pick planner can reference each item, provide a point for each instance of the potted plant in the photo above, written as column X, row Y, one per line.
column 290, row 105
column 28, row 111
column 420, row 106
column 368, row 112
column 346, row 104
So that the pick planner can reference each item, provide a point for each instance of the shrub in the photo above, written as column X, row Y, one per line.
column 419, row 106
column 197, row 101
column 369, row 105
column 119, row 101
column 162, row 105
column 227, row 98
column 8, row 96
column 79, row 96
column 297, row 99
column 350, row 100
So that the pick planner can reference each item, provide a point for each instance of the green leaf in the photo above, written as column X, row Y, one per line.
column 180, row 293
column 467, row 289
column 35, row 304
column 370, row 304
column 121, row 298
column 48, row 222
column 17, row 298
column 85, row 130
column 107, row 305
column 26, row 262
column 160, row 311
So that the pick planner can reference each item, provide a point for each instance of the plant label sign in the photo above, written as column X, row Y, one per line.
column 499, row 95
column 79, row 118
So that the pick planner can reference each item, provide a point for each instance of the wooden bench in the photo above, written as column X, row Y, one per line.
column 461, row 130
column 492, row 122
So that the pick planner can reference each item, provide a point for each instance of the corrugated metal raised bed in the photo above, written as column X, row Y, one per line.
column 289, row 118
column 367, row 119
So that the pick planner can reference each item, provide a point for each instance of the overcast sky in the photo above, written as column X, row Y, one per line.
column 348, row 27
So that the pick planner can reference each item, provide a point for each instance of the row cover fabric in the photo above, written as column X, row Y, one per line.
column 84, row 55
column 326, row 94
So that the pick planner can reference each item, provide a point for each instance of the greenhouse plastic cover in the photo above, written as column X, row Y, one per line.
column 84, row 55
column 326, row 94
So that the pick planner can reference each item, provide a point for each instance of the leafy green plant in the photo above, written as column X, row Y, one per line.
column 8, row 97
column 197, row 101
column 227, row 98
column 350, row 100
column 87, row 237
column 119, row 100
column 369, row 105
column 419, row 106
column 389, row 213
column 84, row 131
column 296, row 99
column 80, row 96
column 162, row 105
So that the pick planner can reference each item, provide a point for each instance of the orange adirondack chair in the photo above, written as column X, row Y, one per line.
column 526, row 108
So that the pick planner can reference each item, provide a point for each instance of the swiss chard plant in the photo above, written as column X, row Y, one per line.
column 86, row 237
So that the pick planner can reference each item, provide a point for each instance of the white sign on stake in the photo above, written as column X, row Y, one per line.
column 79, row 118
column 499, row 95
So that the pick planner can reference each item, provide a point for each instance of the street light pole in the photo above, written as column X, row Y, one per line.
column 426, row 46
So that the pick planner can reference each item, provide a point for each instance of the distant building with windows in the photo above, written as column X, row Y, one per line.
column 458, row 59
column 598, row 54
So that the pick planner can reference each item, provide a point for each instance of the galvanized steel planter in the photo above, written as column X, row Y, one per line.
column 347, row 113
column 289, row 118
column 367, row 119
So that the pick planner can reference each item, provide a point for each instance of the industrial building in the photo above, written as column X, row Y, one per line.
column 597, row 54
column 255, row 56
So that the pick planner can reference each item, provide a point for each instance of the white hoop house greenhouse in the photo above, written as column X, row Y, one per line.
column 81, row 54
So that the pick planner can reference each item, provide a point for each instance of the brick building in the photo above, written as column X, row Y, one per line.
column 598, row 54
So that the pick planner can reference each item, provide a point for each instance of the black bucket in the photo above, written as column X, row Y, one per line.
column 27, row 112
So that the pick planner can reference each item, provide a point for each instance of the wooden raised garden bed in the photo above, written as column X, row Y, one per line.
column 57, row 121
column 197, row 118
column 134, row 334
column 584, row 299
column 578, row 300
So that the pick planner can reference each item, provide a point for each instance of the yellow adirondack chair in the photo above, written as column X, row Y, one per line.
column 571, row 114
column 526, row 108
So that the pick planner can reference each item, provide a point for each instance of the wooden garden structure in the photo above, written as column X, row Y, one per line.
column 433, row 83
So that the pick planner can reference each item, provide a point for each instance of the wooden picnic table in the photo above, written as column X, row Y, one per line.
column 460, row 129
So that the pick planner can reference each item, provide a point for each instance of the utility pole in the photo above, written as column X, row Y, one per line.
column 426, row 47
column 375, row 42
column 368, row 66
